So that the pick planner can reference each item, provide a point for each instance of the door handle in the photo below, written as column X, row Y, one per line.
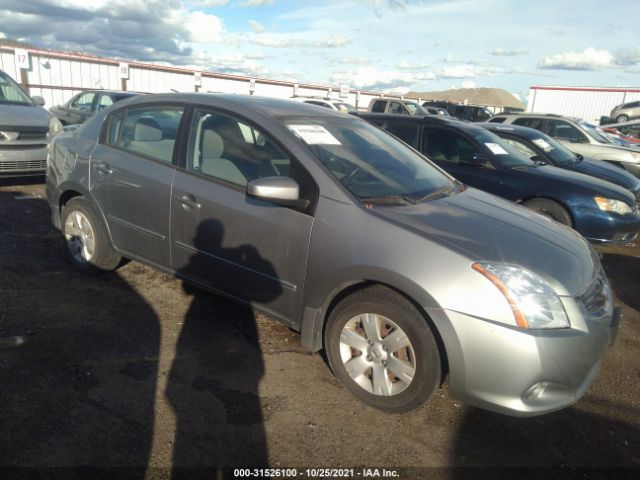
column 103, row 168
column 187, row 201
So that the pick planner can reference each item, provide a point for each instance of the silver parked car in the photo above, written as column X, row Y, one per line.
column 578, row 136
column 332, row 226
column 626, row 111
column 25, row 130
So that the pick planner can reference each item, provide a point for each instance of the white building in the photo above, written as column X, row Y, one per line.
column 588, row 103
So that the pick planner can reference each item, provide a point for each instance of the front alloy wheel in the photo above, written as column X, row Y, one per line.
column 383, row 349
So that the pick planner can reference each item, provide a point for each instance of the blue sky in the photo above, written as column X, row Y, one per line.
column 389, row 45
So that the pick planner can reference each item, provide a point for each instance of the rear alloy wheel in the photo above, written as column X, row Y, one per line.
column 550, row 209
column 622, row 118
column 382, row 349
column 88, row 246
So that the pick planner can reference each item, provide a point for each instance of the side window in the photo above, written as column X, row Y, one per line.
column 521, row 147
column 379, row 106
column 83, row 102
column 565, row 131
column 406, row 132
column 537, row 123
column 396, row 107
column 497, row 120
column 446, row 146
column 104, row 102
column 233, row 151
column 148, row 131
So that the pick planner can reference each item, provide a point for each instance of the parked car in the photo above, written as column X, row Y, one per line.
column 436, row 111
column 537, row 146
column 599, row 210
column 338, row 105
column 578, row 136
column 337, row 229
column 626, row 111
column 86, row 104
column 471, row 113
column 397, row 106
column 619, row 133
column 25, row 130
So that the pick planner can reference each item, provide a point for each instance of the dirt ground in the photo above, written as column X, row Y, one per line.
column 133, row 374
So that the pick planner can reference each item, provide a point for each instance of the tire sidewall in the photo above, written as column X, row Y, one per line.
column 402, row 313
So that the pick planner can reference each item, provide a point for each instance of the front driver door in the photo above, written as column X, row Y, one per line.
column 222, row 239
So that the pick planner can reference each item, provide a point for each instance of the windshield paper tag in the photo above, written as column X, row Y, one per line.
column 496, row 149
column 314, row 134
column 543, row 144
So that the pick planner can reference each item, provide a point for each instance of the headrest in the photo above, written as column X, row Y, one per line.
column 212, row 144
column 147, row 130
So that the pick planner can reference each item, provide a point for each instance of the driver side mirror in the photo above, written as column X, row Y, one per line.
column 38, row 100
column 539, row 160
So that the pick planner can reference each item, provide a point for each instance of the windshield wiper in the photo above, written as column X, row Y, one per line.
column 441, row 192
column 389, row 200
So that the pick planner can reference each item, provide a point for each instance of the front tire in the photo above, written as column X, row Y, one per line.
column 88, row 247
column 382, row 350
column 550, row 209
column 622, row 118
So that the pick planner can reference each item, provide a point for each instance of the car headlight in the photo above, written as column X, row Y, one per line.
column 532, row 300
column 55, row 127
column 611, row 205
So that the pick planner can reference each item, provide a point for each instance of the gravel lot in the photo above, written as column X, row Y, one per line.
column 135, row 369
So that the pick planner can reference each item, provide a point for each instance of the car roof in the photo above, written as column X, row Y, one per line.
column 518, row 130
column 271, row 107
column 533, row 114
column 424, row 119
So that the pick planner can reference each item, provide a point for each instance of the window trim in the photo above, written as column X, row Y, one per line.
column 472, row 141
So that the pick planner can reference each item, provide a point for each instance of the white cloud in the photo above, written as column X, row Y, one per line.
column 256, row 26
column 463, row 70
column 589, row 59
column 255, row 3
column 504, row 52
column 207, row 3
column 468, row 84
column 290, row 40
column 204, row 28
column 373, row 78
column 412, row 66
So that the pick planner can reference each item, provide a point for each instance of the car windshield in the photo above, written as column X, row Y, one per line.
column 502, row 152
column 369, row 162
column 595, row 132
column 345, row 107
column 11, row 93
column 554, row 149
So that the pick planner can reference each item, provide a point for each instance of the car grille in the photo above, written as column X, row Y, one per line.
column 24, row 165
column 32, row 136
column 596, row 301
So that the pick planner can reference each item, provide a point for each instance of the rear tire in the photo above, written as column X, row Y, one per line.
column 382, row 350
column 550, row 209
column 622, row 118
column 88, row 247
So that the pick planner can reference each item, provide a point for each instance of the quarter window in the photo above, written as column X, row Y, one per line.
column 379, row 106
column 537, row 123
column 406, row 132
column 147, row 131
column 105, row 101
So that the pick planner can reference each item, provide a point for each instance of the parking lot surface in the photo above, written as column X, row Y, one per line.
column 135, row 369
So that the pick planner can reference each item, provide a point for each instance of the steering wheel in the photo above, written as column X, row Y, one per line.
column 347, row 180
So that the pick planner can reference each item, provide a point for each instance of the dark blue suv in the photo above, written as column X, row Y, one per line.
column 598, row 209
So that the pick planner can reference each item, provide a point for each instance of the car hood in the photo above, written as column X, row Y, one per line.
column 606, row 171
column 486, row 228
column 559, row 179
column 24, row 116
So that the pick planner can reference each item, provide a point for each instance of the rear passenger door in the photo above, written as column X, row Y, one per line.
column 131, row 171
column 250, row 249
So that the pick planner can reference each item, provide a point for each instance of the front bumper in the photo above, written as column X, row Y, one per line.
column 526, row 372
column 604, row 227
column 23, row 159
